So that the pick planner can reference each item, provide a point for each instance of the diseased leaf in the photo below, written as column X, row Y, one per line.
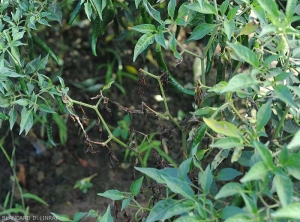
column 142, row 44
column 248, row 29
column 245, row 54
column 223, row 127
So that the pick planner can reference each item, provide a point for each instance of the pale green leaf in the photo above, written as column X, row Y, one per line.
column 290, row 211
column 290, row 8
column 295, row 142
column 270, row 7
column 229, row 26
column 227, row 143
column 88, row 10
column 205, row 9
column 107, row 216
column 34, row 197
column 171, row 8
column 284, row 188
column 223, row 127
column 61, row 217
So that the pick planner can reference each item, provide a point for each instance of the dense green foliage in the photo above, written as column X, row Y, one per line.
column 264, row 140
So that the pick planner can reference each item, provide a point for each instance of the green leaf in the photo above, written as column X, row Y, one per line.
column 88, row 10
column 223, row 127
column 229, row 189
column 100, row 5
column 224, row 6
column 239, row 81
column 152, row 173
column 144, row 28
column 160, row 39
column 271, row 8
column 168, row 208
column 245, row 54
column 295, row 142
column 218, row 88
column 34, row 197
column 206, row 180
column 260, row 13
column 26, row 120
column 257, row 172
column 112, row 194
column 22, row 102
column 125, row 203
column 189, row 218
column 78, row 216
column 230, row 211
column 290, row 9
column 284, row 188
column 136, row 186
column 200, row 31
column 46, row 108
column 290, row 211
column 107, row 216
column 264, row 153
column 12, row 118
column 142, row 44
column 171, row 8
column 283, row 93
column 229, row 26
column 263, row 115
column 153, row 13
column 248, row 29
column 232, row 12
column 184, row 168
column 178, row 186
column 227, row 174
column 61, row 217
column 108, row 85
column 227, row 143
column 205, row 9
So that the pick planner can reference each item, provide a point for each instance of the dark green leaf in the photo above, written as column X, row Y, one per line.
column 184, row 168
column 12, row 118
column 200, row 31
column 229, row 189
column 142, row 44
column 230, row 211
column 160, row 39
column 99, row 5
column 179, row 186
column 171, row 8
column 227, row 174
column 263, row 115
column 245, row 54
column 26, row 120
column 136, row 186
column 46, row 108
column 270, row 7
column 206, row 180
column 229, row 26
column 168, row 208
